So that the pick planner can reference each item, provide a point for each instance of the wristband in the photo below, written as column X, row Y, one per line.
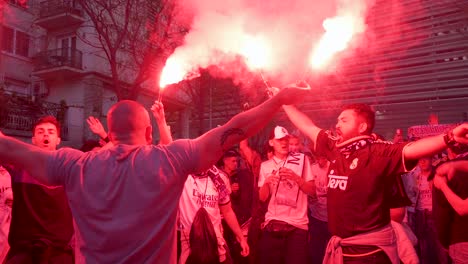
column 449, row 139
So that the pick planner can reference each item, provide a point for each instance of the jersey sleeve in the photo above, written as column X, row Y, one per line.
column 325, row 145
column 392, row 155
column 183, row 157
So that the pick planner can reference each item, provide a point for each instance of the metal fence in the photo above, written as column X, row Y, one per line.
column 56, row 7
column 19, row 112
column 58, row 58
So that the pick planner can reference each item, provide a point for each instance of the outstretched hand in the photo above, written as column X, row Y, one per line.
column 96, row 126
column 293, row 93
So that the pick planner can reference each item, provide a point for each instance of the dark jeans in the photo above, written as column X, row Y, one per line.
column 377, row 258
column 318, row 239
column 429, row 249
column 281, row 247
column 234, row 246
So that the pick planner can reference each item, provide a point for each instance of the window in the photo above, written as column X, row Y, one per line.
column 20, row 3
column 22, row 44
column 7, row 39
column 15, row 41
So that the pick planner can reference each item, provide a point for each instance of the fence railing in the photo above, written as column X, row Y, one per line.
column 59, row 57
column 56, row 7
column 19, row 112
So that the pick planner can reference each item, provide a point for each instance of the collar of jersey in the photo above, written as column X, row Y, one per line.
column 278, row 160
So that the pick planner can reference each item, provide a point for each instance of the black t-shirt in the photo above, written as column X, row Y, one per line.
column 242, row 199
column 358, row 183
column 38, row 213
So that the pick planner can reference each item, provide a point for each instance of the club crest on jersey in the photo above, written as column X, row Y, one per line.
column 335, row 182
column 354, row 163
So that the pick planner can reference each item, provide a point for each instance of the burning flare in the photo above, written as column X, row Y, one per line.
column 256, row 51
column 340, row 31
column 174, row 71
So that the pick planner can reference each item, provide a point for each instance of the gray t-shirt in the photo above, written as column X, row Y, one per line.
column 124, row 199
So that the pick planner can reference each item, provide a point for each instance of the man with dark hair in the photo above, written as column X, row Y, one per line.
column 296, row 144
column 42, row 227
column 419, row 187
column 124, row 199
column 242, row 193
column 361, row 172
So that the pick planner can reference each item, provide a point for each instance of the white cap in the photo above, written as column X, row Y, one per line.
column 279, row 132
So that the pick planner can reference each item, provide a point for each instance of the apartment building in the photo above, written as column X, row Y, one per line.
column 47, row 66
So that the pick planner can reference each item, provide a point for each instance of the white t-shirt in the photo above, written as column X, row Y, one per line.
column 318, row 206
column 293, row 215
column 6, row 196
column 200, row 191
column 424, row 201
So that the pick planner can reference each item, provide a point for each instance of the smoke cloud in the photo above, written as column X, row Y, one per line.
column 290, row 29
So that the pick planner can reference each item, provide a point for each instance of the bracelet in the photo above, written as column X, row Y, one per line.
column 449, row 139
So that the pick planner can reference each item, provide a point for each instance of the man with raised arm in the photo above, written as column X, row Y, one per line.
column 362, row 172
column 124, row 199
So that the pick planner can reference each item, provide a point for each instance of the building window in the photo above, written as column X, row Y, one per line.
column 15, row 41
column 22, row 44
column 19, row 3
column 7, row 39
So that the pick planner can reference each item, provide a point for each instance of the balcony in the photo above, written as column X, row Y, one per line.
column 59, row 14
column 63, row 62
column 18, row 112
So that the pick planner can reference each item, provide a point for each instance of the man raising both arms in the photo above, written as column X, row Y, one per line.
column 124, row 198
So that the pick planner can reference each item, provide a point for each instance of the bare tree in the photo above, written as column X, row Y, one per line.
column 136, row 36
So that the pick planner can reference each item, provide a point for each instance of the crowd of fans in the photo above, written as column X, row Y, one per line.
column 302, row 203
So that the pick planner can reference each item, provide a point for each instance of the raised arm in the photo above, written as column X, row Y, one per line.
column 96, row 127
column 216, row 141
column 164, row 130
column 302, row 122
column 29, row 157
column 435, row 144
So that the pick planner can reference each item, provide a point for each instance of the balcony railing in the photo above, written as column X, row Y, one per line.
column 56, row 7
column 19, row 112
column 58, row 58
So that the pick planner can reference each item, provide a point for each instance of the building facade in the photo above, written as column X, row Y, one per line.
column 48, row 65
